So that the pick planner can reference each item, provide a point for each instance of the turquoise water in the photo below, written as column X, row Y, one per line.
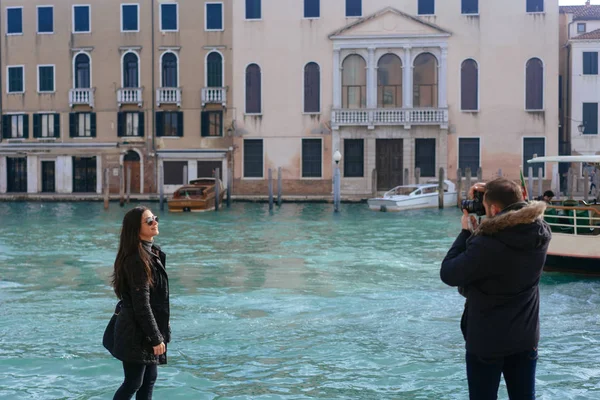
column 297, row 304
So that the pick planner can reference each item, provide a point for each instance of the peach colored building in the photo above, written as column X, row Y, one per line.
column 394, row 86
column 93, row 85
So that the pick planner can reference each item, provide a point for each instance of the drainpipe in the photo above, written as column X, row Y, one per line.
column 153, row 122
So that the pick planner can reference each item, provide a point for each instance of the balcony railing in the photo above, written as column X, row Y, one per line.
column 81, row 97
column 214, row 95
column 168, row 96
column 129, row 96
column 390, row 116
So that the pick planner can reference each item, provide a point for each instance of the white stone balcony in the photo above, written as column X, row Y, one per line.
column 214, row 95
column 81, row 97
column 130, row 96
column 168, row 96
column 390, row 116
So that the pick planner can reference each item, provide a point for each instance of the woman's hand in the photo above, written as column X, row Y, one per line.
column 160, row 349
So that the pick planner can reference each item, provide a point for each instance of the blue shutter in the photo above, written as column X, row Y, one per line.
column 93, row 124
column 253, row 9
column 25, row 126
column 160, row 124
column 180, row 123
column 312, row 8
column 141, row 124
column 590, row 118
column 73, row 124
column 353, row 8
column 37, row 128
column 6, row 126
column 425, row 157
column 533, row 146
column 14, row 17
column 426, row 7
column 56, row 125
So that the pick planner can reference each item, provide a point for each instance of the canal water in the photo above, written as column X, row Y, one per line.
column 297, row 304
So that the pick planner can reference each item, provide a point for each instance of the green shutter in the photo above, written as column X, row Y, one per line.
column 6, row 126
column 220, row 123
column 93, row 124
column 37, row 129
column 56, row 125
column 204, row 123
column 180, row 123
column 120, row 124
column 73, row 124
column 141, row 124
column 26, row 126
column 160, row 124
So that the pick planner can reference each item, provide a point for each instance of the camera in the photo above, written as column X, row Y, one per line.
column 474, row 206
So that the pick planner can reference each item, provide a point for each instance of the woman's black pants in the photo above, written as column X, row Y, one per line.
column 139, row 380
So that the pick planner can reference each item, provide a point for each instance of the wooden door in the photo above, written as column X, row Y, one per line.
column 132, row 161
column 389, row 163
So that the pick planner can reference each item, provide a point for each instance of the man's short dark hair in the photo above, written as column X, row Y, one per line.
column 503, row 192
column 548, row 193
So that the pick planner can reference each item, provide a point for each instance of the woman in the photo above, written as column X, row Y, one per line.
column 142, row 327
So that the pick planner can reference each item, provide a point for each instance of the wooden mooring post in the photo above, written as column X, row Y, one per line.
column 586, row 185
column 279, row 187
column 217, row 188
column 458, row 187
column 441, row 189
column 121, row 186
column 337, row 190
column 479, row 174
column 570, row 184
column 161, row 187
column 229, row 183
column 270, row 189
column 530, row 182
column 417, row 175
column 106, row 189
column 128, row 183
column 540, row 182
column 467, row 181
column 406, row 180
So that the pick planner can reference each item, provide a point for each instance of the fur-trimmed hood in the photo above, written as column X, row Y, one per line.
column 522, row 226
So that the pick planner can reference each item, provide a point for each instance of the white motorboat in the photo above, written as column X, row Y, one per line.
column 575, row 224
column 412, row 197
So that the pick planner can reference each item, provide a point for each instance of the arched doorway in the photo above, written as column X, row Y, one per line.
column 131, row 160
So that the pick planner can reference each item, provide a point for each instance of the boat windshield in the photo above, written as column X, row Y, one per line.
column 404, row 190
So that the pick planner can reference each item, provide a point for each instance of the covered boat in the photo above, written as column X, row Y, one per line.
column 411, row 197
column 197, row 196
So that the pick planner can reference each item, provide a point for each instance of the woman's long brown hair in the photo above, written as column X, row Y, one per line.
column 130, row 245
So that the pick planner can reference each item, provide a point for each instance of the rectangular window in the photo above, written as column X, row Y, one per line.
column 15, row 126
column 45, row 19
column 535, row 6
column 253, row 9
column 130, row 18
column 426, row 7
column 173, row 172
column 531, row 147
column 15, row 80
column 169, row 124
column 169, row 17
column 312, row 158
column 470, row 7
column 45, row 78
column 16, row 174
column 211, row 124
column 14, row 20
column 130, row 124
column 425, row 157
column 354, row 158
column 312, row 8
column 581, row 28
column 590, row 63
column 81, row 19
column 84, row 174
column 468, row 155
column 353, row 8
column 590, row 118
column 46, row 125
column 214, row 17
column 82, row 125
column 253, row 158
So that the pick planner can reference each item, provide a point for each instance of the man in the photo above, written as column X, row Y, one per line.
column 497, row 267
column 547, row 197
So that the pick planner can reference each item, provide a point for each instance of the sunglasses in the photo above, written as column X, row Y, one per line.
column 150, row 220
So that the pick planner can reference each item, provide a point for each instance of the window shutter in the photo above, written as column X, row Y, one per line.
column 220, row 123
column 6, row 126
column 72, row 124
column 36, row 126
column 93, row 124
column 204, row 123
column 141, row 124
column 180, row 123
column 26, row 126
column 120, row 124
column 160, row 124
column 56, row 125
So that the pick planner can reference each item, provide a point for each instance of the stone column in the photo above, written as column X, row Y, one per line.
column 3, row 175
column 32, row 174
column 100, row 174
column 371, row 80
column 443, row 79
column 337, row 80
column 407, row 79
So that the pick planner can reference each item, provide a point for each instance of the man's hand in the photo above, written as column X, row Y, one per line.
column 160, row 349
column 469, row 222
column 479, row 187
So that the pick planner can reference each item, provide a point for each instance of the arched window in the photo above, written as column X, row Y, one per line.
column 469, row 85
column 354, row 82
column 130, row 70
column 389, row 81
column 534, row 85
column 82, row 71
column 425, row 81
column 312, row 88
column 214, row 70
column 169, row 70
column 253, row 89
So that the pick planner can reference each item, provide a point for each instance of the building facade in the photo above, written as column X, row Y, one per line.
column 421, row 84
column 108, row 86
